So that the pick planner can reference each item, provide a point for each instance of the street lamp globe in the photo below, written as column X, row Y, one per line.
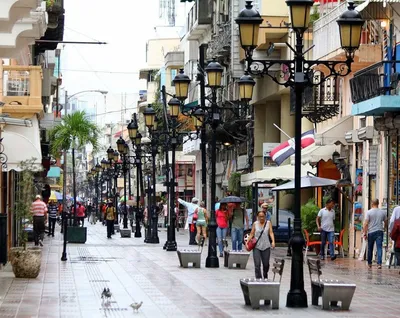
column 110, row 153
column 299, row 11
column 335, row 157
column 138, row 139
column 174, row 106
column 149, row 116
column 126, row 149
column 104, row 164
column 133, row 129
column 120, row 145
column 214, row 72
column 181, row 82
column 116, row 156
column 249, row 20
column 199, row 115
column 108, row 164
column 350, row 27
column 246, row 85
column 98, row 168
column 155, row 124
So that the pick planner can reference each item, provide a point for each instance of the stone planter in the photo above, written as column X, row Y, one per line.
column 25, row 263
column 125, row 232
column 76, row 234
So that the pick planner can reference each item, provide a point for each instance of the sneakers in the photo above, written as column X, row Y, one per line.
column 221, row 255
column 40, row 242
column 322, row 258
column 333, row 258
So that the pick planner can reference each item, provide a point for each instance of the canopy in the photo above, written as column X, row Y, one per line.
column 232, row 199
column 285, row 172
column 28, row 141
column 55, row 196
column 307, row 182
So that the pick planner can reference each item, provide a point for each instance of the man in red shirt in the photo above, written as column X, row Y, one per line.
column 81, row 213
column 39, row 211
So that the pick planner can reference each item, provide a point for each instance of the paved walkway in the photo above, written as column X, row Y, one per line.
column 135, row 271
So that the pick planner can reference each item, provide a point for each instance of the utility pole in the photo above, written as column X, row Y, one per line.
column 203, row 136
column 64, row 212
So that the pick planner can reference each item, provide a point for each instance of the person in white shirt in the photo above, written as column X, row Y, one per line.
column 191, row 207
column 325, row 222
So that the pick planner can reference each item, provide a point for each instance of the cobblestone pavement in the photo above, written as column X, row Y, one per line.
column 135, row 271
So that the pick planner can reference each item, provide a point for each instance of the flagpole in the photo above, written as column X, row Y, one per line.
column 276, row 126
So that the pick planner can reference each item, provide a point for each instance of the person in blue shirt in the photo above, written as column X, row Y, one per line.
column 266, row 208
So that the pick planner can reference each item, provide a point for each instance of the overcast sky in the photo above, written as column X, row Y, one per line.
column 125, row 25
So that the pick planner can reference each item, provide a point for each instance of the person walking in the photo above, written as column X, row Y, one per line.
column 325, row 223
column 373, row 225
column 265, row 208
column 222, row 221
column 81, row 214
column 110, row 216
column 262, row 231
column 201, row 222
column 191, row 207
column 239, row 218
column 53, row 212
column 395, row 236
column 39, row 211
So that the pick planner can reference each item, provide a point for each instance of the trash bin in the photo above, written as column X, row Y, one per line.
column 3, row 239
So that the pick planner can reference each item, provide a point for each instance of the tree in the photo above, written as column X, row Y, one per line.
column 74, row 132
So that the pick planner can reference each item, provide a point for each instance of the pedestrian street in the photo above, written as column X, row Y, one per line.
column 135, row 272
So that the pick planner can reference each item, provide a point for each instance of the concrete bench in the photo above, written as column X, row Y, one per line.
column 236, row 259
column 187, row 257
column 331, row 291
column 255, row 290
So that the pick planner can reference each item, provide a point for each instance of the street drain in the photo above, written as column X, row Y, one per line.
column 383, row 283
column 113, row 309
column 99, row 281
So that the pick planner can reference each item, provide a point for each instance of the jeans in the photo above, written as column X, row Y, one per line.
column 373, row 237
column 397, row 254
column 237, row 238
column 52, row 225
column 261, row 256
column 221, row 235
column 38, row 229
column 330, row 236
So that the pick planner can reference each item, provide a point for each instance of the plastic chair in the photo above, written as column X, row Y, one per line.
column 308, row 243
column 340, row 242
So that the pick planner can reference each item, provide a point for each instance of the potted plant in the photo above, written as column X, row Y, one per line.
column 309, row 212
column 74, row 132
column 54, row 9
column 25, row 261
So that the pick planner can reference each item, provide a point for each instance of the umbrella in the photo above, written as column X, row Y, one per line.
column 232, row 199
column 123, row 199
column 53, row 196
column 307, row 182
column 58, row 195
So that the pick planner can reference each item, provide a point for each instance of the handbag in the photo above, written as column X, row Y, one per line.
column 253, row 242
column 195, row 215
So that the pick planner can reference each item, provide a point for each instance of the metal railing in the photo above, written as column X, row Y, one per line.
column 368, row 83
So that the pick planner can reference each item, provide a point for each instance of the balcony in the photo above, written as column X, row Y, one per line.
column 174, row 59
column 199, row 19
column 373, row 92
column 272, row 29
column 327, row 40
column 320, row 102
column 21, row 91
column 220, row 45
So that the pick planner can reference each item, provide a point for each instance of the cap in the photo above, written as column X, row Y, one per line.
column 264, row 205
column 38, row 197
column 195, row 200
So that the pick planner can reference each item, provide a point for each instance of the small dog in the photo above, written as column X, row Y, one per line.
column 106, row 294
column 136, row 306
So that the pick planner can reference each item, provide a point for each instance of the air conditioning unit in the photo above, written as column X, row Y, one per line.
column 351, row 136
column 366, row 133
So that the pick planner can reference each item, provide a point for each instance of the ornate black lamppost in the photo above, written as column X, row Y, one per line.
column 298, row 74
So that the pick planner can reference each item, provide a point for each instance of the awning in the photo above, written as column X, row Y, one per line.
column 21, row 144
column 336, row 133
column 313, row 154
column 285, row 172
column 191, row 105
column 54, row 172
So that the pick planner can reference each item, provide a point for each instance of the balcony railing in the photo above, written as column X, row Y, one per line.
column 370, row 82
column 221, row 42
column 200, row 14
column 22, row 90
column 320, row 102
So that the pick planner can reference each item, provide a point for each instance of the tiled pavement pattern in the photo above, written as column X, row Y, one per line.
column 135, row 271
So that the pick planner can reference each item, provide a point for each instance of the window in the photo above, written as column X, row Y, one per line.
column 173, row 74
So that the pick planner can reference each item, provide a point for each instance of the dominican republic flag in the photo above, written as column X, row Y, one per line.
column 280, row 153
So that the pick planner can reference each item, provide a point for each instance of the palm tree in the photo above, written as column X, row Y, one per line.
column 75, row 131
